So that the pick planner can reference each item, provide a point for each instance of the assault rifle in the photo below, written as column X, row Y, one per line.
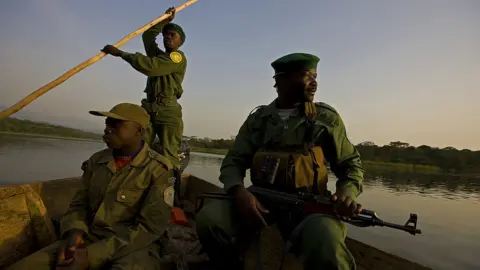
column 314, row 204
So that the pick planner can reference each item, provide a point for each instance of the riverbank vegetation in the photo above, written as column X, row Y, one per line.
column 17, row 126
column 395, row 155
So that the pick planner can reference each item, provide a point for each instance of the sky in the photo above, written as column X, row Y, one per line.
column 395, row 70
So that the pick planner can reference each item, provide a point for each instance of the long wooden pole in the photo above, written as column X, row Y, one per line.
column 44, row 89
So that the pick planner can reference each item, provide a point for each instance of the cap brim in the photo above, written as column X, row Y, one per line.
column 108, row 114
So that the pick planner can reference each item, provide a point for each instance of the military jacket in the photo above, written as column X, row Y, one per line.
column 264, row 127
column 121, row 210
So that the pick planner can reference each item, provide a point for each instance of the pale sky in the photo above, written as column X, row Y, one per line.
column 405, row 70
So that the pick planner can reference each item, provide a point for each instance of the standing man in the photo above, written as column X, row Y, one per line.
column 165, row 71
column 122, row 207
column 296, row 134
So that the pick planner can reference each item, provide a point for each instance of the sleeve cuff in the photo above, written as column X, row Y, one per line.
column 230, row 182
column 126, row 56
column 349, row 190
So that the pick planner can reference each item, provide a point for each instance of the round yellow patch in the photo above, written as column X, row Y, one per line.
column 168, row 194
column 176, row 57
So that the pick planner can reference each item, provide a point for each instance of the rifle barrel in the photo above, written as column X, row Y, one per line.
column 367, row 218
column 410, row 229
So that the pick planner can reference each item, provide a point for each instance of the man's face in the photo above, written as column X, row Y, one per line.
column 300, row 86
column 171, row 40
column 118, row 133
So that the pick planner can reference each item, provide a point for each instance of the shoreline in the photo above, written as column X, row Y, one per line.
column 377, row 165
column 47, row 136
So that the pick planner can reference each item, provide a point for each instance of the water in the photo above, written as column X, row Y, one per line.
column 448, row 207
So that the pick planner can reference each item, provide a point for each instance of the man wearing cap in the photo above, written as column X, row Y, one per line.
column 122, row 206
column 165, row 71
column 297, row 135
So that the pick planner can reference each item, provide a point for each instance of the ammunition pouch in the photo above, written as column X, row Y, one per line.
column 290, row 170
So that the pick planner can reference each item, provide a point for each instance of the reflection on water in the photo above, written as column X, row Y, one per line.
column 28, row 159
column 447, row 206
column 442, row 186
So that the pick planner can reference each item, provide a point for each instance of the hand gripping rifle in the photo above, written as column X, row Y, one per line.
column 314, row 204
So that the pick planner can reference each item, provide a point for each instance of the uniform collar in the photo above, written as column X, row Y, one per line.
column 140, row 160
column 271, row 109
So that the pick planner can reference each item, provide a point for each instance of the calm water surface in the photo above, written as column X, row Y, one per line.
column 448, row 207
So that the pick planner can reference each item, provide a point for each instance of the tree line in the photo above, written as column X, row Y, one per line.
column 448, row 159
column 15, row 125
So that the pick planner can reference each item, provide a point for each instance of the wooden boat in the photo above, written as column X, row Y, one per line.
column 27, row 211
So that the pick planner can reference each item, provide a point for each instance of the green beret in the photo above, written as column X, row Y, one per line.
column 175, row 27
column 295, row 62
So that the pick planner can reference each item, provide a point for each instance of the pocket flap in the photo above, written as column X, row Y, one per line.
column 129, row 195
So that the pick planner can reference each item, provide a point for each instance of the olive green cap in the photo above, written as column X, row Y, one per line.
column 126, row 112
column 295, row 62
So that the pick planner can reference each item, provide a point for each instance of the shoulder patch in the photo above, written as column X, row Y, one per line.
column 168, row 195
column 176, row 57
column 154, row 155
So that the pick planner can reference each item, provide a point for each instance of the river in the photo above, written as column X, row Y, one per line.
column 448, row 207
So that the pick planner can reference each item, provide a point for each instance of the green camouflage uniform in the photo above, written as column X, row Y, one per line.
column 165, row 74
column 123, row 212
column 320, row 239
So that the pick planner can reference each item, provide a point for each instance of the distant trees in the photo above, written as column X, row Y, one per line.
column 15, row 125
column 210, row 143
column 447, row 159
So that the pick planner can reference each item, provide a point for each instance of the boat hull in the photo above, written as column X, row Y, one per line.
column 56, row 194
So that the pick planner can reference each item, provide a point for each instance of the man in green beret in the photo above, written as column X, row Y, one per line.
column 122, row 206
column 165, row 71
column 289, row 141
